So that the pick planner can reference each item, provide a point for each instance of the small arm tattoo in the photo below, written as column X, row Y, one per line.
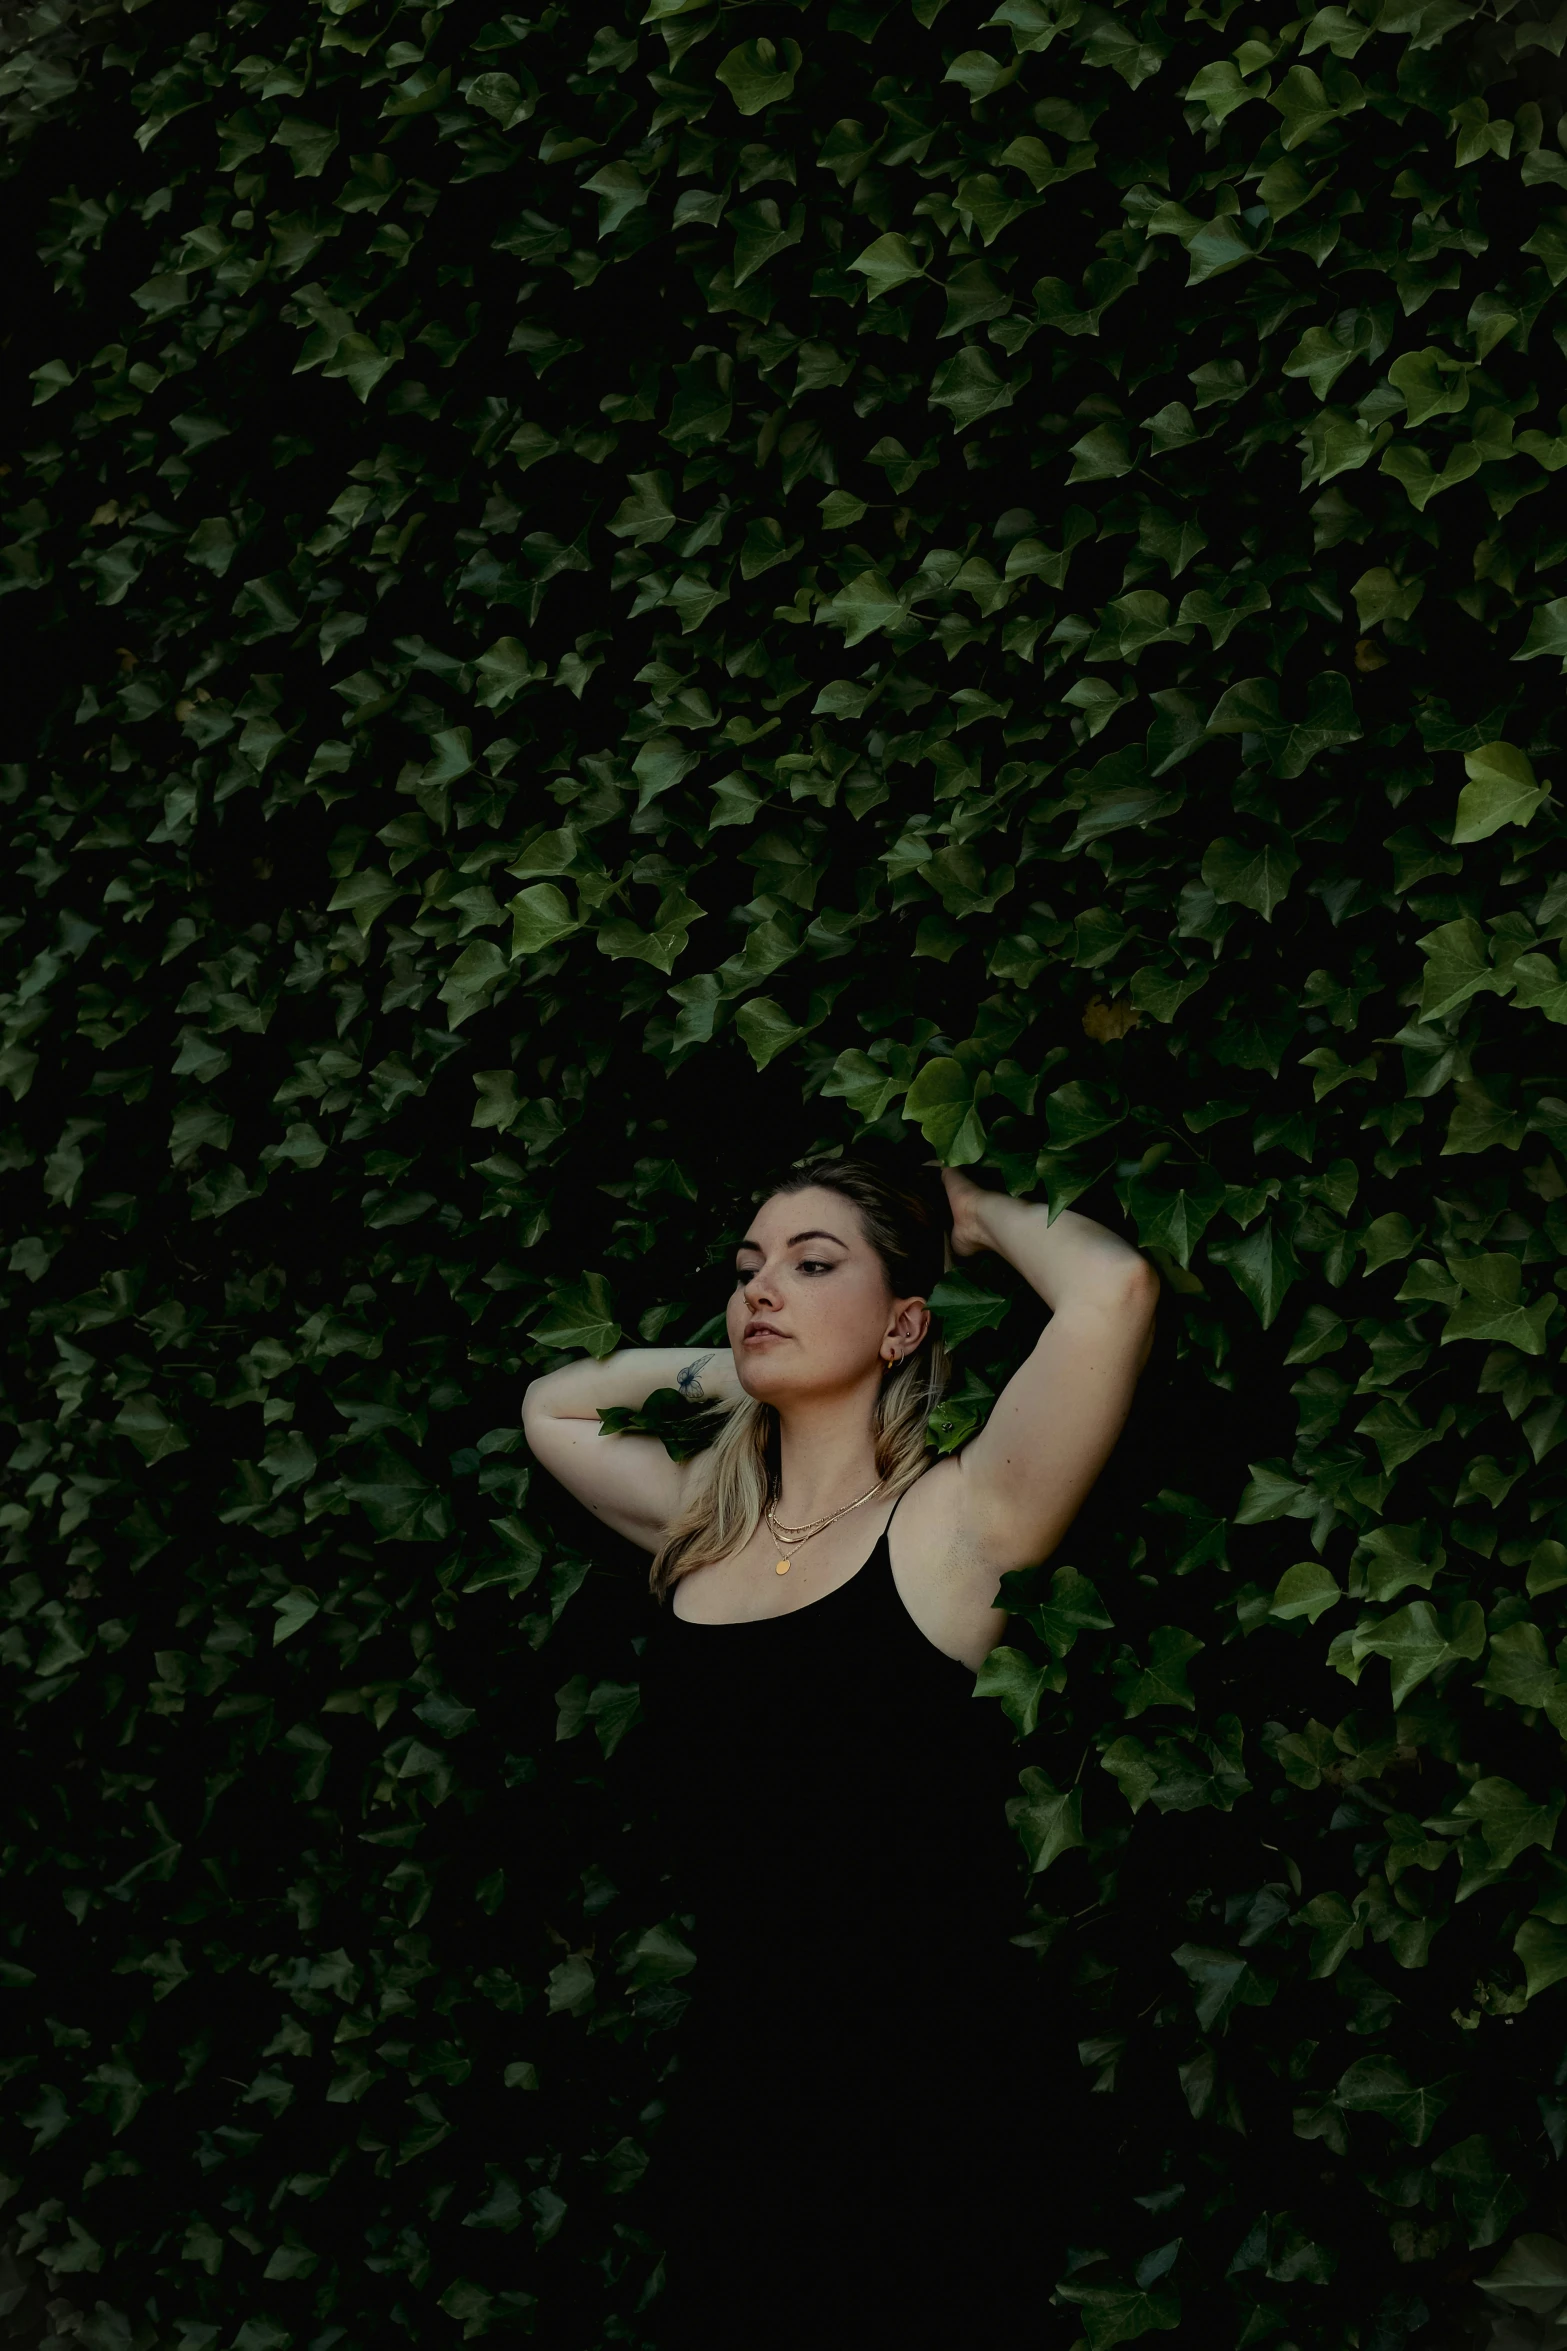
column 689, row 1379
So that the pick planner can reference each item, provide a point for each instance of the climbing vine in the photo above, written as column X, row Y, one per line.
column 594, row 608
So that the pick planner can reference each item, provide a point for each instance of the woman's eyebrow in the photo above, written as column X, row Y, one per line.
column 817, row 1233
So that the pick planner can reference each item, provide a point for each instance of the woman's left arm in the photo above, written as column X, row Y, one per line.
column 1029, row 1471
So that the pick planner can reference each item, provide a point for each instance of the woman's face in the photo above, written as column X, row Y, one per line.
column 811, row 1312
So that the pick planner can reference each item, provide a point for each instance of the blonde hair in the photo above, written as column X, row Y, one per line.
column 906, row 1222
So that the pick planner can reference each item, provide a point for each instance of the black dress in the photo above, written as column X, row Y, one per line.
column 868, row 2137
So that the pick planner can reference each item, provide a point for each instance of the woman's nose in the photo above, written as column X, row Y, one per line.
column 760, row 1288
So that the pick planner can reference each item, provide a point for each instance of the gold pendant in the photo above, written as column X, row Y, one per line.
column 782, row 1568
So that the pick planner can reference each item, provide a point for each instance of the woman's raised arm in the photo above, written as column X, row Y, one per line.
column 1028, row 1472
column 628, row 1482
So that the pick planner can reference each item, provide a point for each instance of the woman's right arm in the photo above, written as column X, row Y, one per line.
column 628, row 1482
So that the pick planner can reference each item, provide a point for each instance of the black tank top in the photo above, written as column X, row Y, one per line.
column 829, row 1802
column 828, row 1783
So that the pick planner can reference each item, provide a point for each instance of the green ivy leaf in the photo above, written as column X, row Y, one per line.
column 500, row 96
column 761, row 234
column 1220, row 90
column 645, row 515
column 1256, row 878
column 366, row 896
column 1079, row 1112
column 1120, row 2314
column 1129, row 1763
column 869, row 1087
column 1335, row 442
column 1011, row 1677
column 1493, row 1308
column 1415, row 1641
column 1393, row 1557
column 1373, row 2085
column 294, row 1611
column 1547, row 634
column 969, row 388
column 965, row 1308
column 1457, row 967
column 887, row 263
column 1420, row 479
column 579, row 1315
column 1305, row 1590
column 760, row 73
column 155, row 1436
column 1543, row 1950
column 1074, row 1606
column 540, row 916
column 1047, row 1819
column 395, row 1497
column 621, row 191
column 1432, row 384
column 1307, row 107
column 980, row 73
column 1222, row 1981
column 471, row 981
column 942, row 1099
column 1102, row 455
column 1540, row 986
column 1162, row 1682
column 861, row 607
column 664, row 943
column 766, row 1029
column 1510, row 1821
column 1264, row 1267
column 1501, row 790
column 1519, row 1666
column 1175, row 1218
column 1321, row 357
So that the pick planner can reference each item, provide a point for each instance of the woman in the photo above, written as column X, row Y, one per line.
column 864, row 2116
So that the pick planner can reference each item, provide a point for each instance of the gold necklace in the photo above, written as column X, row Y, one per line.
column 791, row 1538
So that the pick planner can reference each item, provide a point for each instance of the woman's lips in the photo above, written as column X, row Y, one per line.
column 761, row 1330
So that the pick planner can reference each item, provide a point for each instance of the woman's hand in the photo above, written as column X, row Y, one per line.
column 967, row 1201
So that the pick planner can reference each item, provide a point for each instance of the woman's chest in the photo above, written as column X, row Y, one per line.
column 766, row 1580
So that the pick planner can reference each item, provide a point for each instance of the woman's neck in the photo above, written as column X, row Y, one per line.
column 826, row 1457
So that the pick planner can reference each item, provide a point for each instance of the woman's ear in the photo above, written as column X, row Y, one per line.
column 910, row 1321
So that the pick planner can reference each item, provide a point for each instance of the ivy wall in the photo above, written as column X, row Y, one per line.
column 592, row 607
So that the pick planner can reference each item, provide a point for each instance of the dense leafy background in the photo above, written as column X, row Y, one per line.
column 593, row 606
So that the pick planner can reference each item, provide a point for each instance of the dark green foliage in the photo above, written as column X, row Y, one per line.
column 594, row 607
column 684, row 1428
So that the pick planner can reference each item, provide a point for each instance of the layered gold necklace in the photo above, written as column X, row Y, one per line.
column 789, row 1539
